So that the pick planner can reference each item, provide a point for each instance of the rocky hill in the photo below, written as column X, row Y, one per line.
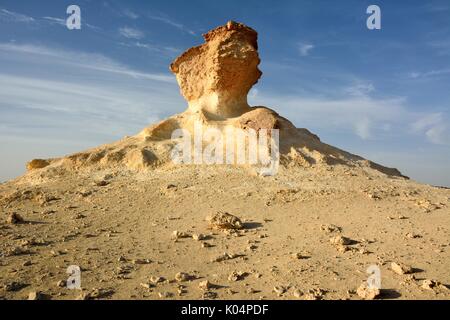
column 143, row 226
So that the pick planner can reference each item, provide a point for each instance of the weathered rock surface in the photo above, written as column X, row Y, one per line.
column 215, row 78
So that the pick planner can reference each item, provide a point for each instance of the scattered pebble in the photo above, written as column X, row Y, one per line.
column 297, row 293
column 35, row 295
column 400, row 268
column 225, row 221
column 225, row 256
column 433, row 285
column 198, row 236
column 205, row 285
column 340, row 240
column 147, row 285
column 330, row 228
column 155, row 279
column 183, row 276
column 101, row 183
column 14, row 218
column 251, row 291
column 140, row 261
column 367, row 293
column 299, row 256
column 61, row 283
column 279, row 290
column 207, row 295
column 411, row 235
column 165, row 295
column 26, row 263
column 237, row 275
column 178, row 235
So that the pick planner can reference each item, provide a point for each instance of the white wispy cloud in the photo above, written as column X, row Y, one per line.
column 169, row 21
column 435, row 128
column 83, row 60
column 356, row 111
column 428, row 74
column 131, row 33
column 55, row 20
column 62, row 22
column 305, row 48
column 15, row 16
column 360, row 88
column 441, row 46
column 130, row 14
column 164, row 50
column 362, row 128
column 55, row 102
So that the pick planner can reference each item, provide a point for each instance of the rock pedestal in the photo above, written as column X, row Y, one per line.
column 216, row 76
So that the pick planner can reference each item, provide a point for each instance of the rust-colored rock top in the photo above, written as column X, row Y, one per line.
column 216, row 76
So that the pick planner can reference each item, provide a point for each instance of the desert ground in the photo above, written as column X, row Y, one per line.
column 119, row 228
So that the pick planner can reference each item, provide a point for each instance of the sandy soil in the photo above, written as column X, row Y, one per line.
column 110, row 222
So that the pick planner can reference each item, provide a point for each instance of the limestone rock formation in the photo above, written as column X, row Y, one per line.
column 215, row 78
column 132, row 218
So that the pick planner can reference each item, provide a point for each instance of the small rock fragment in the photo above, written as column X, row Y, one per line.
column 61, row 283
column 155, row 279
column 400, row 268
column 198, row 236
column 165, row 295
column 298, row 255
column 367, row 293
column 236, row 276
column 225, row 256
column 279, row 290
column 251, row 291
column 183, row 276
column 140, row 261
column 147, row 285
column 330, row 228
column 310, row 296
column 101, row 183
column 205, row 285
column 225, row 221
column 14, row 218
column 297, row 293
column 207, row 295
column 26, row 263
column 433, row 285
column 35, row 295
column 340, row 240
column 178, row 235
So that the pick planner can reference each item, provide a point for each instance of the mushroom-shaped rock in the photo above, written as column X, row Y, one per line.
column 216, row 76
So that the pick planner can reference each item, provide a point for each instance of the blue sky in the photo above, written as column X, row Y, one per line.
column 383, row 94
